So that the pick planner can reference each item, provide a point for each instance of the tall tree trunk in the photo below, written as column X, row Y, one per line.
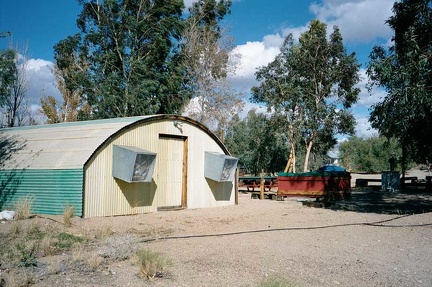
column 291, row 161
column 308, row 150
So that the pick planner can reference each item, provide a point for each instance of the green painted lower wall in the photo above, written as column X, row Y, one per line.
column 49, row 190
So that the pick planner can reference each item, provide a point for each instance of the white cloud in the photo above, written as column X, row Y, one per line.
column 37, row 64
column 360, row 21
column 253, row 55
column 257, row 54
column 295, row 31
column 249, row 106
column 368, row 98
column 41, row 80
column 188, row 3
column 363, row 127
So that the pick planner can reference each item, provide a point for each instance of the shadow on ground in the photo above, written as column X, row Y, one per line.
column 409, row 201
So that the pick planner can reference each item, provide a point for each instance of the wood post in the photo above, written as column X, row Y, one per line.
column 262, row 185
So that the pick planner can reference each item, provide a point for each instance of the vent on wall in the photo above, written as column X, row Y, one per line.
column 220, row 167
column 132, row 164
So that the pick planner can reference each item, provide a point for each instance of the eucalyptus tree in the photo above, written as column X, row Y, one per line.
column 369, row 154
column 8, row 71
column 257, row 143
column 70, row 72
column 15, row 108
column 206, row 51
column 312, row 83
column 280, row 94
column 127, row 60
column 404, row 70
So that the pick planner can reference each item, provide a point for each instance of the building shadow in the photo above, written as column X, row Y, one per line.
column 11, row 171
column 372, row 200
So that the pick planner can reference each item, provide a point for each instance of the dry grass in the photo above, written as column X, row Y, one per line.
column 23, row 208
column 11, row 279
column 94, row 261
column 152, row 264
column 90, row 259
column 53, row 266
column 78, row 253
column 46, row 245
column 68, row 213
column 15, row 230
column 103, row 233
column 18, row 278
column 154, row 232
column 118, row 247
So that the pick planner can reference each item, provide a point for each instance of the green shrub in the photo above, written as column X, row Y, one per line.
column 27, row 255
column 66, row 240
column 152, row 264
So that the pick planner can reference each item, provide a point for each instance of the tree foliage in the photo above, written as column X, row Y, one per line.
column 130, row 58
column 257, row 143
column 69, row 71
column 312, row 85
column 369, row 155
column 15, row 108
column 206, row 49
column 8, row 71
column 124, row 61
column 404, row 70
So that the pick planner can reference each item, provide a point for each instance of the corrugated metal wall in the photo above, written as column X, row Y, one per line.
column 49, row 190
column 107, row 196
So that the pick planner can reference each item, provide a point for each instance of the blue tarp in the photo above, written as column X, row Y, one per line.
column 330, row 168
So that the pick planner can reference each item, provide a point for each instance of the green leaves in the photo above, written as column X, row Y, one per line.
column 8, row 72
column 369, row 155
column 124, row 60
column 312, row 84
column 258, row 143
column 405, row 71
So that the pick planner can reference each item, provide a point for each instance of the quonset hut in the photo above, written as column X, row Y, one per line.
column 116, row 166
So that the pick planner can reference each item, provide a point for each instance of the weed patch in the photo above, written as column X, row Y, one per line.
column 66, row 240
column 118, row 247
column 27, row 254
column 277, row 281
column 23, row 208
column 68, row 214
column 152, row 264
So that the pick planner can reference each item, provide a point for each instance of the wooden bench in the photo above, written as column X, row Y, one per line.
column 413, row 179
column 254, row 182
column 267, row 186
column 267, row 194
column 364, row 182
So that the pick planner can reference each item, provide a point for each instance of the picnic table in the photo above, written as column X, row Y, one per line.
column 252, row 182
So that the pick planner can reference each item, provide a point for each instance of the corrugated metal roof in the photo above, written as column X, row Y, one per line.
column 68, row 145
column 57, row 146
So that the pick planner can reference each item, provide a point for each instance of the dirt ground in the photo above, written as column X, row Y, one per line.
column 244, row 244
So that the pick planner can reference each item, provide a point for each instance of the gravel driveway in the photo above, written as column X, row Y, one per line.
column 244, row 244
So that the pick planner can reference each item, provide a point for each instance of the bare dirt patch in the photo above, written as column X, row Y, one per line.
column 244, row 244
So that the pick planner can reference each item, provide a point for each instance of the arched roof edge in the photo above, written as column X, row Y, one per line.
column 158, row 118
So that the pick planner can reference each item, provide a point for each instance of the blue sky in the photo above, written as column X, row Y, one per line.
column 258, row 27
